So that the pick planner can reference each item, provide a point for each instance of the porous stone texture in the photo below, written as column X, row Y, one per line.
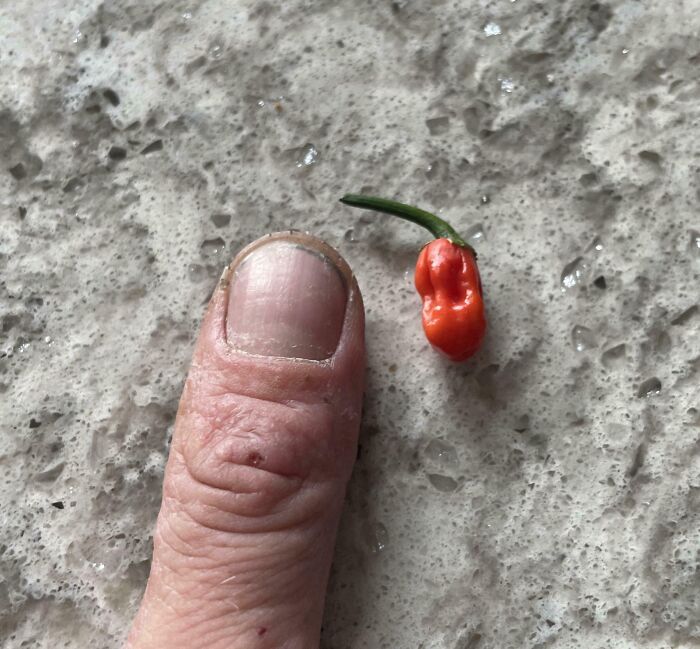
column 545, row 493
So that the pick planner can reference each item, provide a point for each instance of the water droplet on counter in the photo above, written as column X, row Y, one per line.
column 377, row 537
column 613, row 356
column 197, row 272
column 216, row 50
column 432, row 169
column 492, row 29
column 582, row 338
column 694, row 243
column 442, row 482
column 596, row 245
column 275, row 104
column 354, row 234
column 213, row 246
column 573, row 273
column 307, row 156
column 649, row 388
column 78, row 37
column 507, row 85
column 441, row 453
column 485, row 199
column 475, row 234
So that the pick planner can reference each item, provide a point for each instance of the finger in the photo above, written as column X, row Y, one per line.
column 264, row 443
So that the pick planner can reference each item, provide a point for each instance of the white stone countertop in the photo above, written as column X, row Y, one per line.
column 544, row 494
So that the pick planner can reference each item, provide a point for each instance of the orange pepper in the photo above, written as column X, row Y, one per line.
column 447, row 279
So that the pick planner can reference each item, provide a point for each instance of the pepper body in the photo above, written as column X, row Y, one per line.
column 447, row 279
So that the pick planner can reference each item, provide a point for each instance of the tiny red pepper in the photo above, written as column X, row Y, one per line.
column 447, row 279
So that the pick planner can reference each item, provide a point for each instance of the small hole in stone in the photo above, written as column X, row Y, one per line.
column 22, row 212
column 117, row 153
column 8, row 322
column 649, row 388
column 588, row 180
column 33, row 423
column 600, row 282
column 651, row 157
column 104, row 41
column 686, row 316
column 153, row 147
column 18, row 171
column 221, row 220
column 111, row 96
column 72, row 185
column 58, row 504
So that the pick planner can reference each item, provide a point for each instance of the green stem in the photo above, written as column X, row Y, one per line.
column 434, row 224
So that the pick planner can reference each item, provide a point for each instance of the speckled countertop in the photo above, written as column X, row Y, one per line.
column 547, row 493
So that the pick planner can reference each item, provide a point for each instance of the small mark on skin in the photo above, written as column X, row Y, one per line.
column 262, row 630
column 254, row 458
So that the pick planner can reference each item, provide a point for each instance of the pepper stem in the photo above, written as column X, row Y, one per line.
column 434, row 224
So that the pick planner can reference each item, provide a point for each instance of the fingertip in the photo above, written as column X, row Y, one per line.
column 216, row 336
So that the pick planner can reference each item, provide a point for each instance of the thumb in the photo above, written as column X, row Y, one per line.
column 264, row 443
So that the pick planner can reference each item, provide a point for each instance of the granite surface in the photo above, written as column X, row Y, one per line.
column 544, row 494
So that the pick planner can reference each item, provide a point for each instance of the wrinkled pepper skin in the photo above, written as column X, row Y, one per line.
column 447, row 279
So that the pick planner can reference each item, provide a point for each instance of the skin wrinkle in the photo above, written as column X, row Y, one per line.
column 307, row 486
column 265, row 380
column 207, row 494
column 278, row 568
column 216, row 464
column 266, row 526
column 206, row 396
column 241, row 420
column 202, row 375
column 251, row 594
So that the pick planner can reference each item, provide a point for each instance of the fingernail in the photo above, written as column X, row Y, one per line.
column 286, row 299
